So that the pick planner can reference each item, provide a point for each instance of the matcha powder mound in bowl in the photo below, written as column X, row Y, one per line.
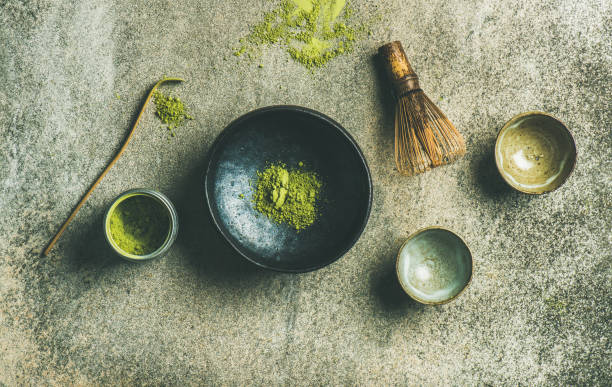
column 288, row 196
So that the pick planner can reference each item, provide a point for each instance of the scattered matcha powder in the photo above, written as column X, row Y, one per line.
column 170, row 110
column 313, row 32
column 139, row 225
column 556, row 304
column 288, row 196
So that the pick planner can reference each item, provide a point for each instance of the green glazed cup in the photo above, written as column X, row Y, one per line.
column 535, row 153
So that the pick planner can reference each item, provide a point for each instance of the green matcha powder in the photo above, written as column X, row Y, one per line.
column 288, row 195
column 170, row 110
column 313, row 32
column 139, row 225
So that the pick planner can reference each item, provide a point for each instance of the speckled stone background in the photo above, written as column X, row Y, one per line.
column 538, row 310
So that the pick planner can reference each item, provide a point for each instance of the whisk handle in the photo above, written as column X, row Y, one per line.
column 402, row 76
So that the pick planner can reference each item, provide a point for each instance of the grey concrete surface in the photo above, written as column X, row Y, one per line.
column 537, row 312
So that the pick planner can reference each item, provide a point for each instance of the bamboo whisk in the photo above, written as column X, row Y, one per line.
column 424, row 137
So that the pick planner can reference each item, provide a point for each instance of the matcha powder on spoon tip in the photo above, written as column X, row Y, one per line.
column 170, row 110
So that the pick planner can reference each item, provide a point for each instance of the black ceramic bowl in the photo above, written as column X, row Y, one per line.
column 288, row 134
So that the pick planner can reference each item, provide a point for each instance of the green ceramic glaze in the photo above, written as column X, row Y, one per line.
column 535, row 153
column 434, row 266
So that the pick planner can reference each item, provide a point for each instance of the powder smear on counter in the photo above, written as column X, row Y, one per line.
column 139, row 225
column 313, row 32
column 288, row 195
column 170, row 110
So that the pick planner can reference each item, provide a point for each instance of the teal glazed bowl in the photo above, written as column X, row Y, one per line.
column 434, row 266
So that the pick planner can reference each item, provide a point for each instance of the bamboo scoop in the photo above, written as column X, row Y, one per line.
column 108, row 167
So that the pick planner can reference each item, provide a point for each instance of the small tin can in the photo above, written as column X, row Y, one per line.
column 172, row 229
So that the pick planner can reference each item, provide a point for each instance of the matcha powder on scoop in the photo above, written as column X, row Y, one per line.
column 170, row 110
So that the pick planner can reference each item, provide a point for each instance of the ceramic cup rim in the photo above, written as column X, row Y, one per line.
column 510, row 122
column 172, row 232
column 397, row 263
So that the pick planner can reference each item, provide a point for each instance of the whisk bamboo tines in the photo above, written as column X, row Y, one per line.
column 424, row 137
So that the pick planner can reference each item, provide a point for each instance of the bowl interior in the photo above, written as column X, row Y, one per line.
column 288, row 135
column 535, row 153
column 434, row 266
